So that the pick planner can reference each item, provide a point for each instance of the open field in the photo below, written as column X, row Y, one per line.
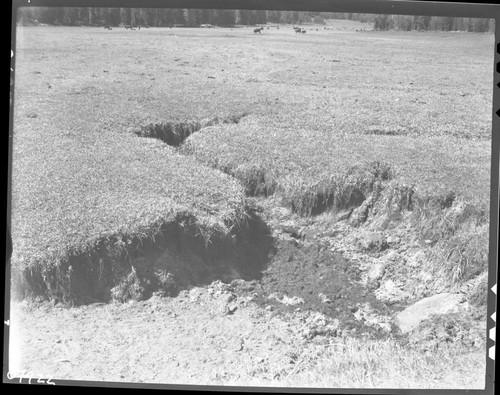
column 282, row 154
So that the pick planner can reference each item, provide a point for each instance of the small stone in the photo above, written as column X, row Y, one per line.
column 376, row 272
column 324, row 298
column 393, row 240
column 371, row 241
column 231, row 309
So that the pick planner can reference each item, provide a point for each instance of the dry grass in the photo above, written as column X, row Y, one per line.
column 79, row 181
column 302, row 162
column 351, row 363
column 339, row 125
column 329, row 120
column 324, row 112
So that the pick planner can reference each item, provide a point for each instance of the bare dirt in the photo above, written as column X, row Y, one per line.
column 322, row 287
column 205, row 335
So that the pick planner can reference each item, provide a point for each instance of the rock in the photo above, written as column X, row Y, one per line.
column 376, row 271
column 324, row 298
column 293, row 231
column 390, row 292
column 229, row 297
column 343, row 215
column 194, row 294
column 391, row 240
column 438, row 304
column 393, row 257
column 332, row 233
column 231, row 309
column 360, row 214
column 417, row 259
column 371, row 241
column 370, row 317
column 291, row 301
column 317, row 324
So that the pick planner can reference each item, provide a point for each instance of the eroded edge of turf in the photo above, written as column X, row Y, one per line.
column 175, row 257
column 174, row 133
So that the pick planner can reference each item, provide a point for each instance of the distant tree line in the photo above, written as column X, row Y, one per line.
column 91, row 16
column 405, row 22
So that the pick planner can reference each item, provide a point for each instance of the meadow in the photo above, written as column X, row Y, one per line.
column 322, row 122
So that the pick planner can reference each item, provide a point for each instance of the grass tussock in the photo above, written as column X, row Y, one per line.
column 378, row 130
column 454, row 233
column 338, row 192
column 458, row 233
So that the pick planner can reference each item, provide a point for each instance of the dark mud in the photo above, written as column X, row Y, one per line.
column 314, row 279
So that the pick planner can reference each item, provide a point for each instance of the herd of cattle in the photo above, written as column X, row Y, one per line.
column 297, row 29
column 259, row 30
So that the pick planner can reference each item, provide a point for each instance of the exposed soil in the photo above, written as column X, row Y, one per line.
column 311, row 279
column 206, row 335
column 281, row 282
column 314, row 287
column 215, row 334
column 247, row 309
column 259, row 307
column 177, row 258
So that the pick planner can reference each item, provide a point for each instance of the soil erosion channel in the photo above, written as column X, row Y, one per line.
column 358, row 266
column 349, row 263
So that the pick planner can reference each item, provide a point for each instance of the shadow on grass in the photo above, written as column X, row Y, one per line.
column 174, row 133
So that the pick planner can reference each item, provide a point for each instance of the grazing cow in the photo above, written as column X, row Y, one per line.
column 297, row 29
column 258, row 30
column 303, row 31
column 129, row 27
column 106, row 27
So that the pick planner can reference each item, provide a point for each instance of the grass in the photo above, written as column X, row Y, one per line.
column 321, row 161
column 343, row 105
column 344, row 120
column 79, row 182
column 328, row 118
column 350, row 363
